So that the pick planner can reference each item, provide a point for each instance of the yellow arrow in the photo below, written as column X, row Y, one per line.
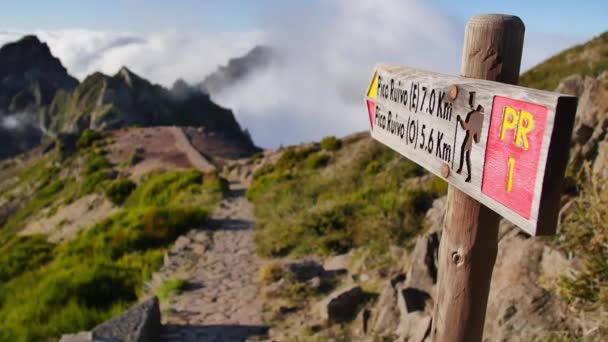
column 373, row 87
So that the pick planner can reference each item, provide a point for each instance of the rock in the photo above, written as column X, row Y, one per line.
column 397, row 279
column 202, row 238
column 600, row 165
column 554, row 264
column 140, row 323
column 591, row 121
column 85, row 336
column 314, row 283
column 571, row 85
column 518, row 308
column 361, row 324
column 396, row 252
column 410, row 300
column 436, row 215
column 387, row 319
column 337, row 263
column 422, row 274
column 342, row 305
column 415, row 327
column 198, row 248
column 276, row 288
column 181, row 244
column 305, row 270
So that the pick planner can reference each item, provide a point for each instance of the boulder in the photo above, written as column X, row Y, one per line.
column 519, row 309
column 84, row 336
column 305, row 270
column 411, row 300
column 337, row 262
column 422, row 274
column 591, row 121
column 415, row 327
column 361, row 325
column 387, row 318
column 342, row 305
column 600, row 165
column 140, row 323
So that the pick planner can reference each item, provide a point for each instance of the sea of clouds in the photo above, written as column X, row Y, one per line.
column 327, row 52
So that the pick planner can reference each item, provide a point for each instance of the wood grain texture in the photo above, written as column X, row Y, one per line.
column 469, row 242
column 407, row 109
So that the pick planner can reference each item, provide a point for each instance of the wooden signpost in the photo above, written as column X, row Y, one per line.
column 503, row 149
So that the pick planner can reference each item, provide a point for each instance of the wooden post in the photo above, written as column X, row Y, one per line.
column 492, row 51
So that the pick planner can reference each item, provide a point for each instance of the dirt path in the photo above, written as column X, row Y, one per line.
column 221, row 302
column 183, row 144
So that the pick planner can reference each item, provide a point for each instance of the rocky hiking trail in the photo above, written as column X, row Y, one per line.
column 220, row 302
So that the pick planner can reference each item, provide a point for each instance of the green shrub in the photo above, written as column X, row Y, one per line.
column 291, row 157
column 48, row 290
column 94, row 162
column 331, row 143
column 162, row 189
column 263, row 170
column 271, row 272
column 373, row 167
column 171, row 288
column 315, row 161
column 23, row 254
column 95, row 181
column 88, row 137
column 359, row 200
column 118, row 191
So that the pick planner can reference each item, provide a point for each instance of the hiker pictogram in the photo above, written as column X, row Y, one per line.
column 472, row 125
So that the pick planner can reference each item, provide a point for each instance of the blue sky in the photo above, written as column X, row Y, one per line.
column 328, row 47
column 581, row 18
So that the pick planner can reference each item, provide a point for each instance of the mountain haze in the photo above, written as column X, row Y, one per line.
column 39, row 98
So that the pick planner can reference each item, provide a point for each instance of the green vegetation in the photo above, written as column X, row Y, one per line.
column 587, row 226
column 171, row 288
column 88, row 137
column 331, row 143
column 23, row 254
column 365, row 197
column 316, row 161
column 50, row 289
column 590, row 59
column 271, row 272
column 119, row 190
column 43, row 189
column 177, row 188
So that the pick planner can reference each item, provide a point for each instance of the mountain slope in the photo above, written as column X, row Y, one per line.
column 30, row 75
column 588, row 59
column 29, row 78
column 38, row 98
column 365, row 203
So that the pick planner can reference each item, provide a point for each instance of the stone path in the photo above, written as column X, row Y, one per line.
column 221, row 302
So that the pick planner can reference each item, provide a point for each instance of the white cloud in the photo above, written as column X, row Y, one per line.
column 328, row 51
column 161, row 57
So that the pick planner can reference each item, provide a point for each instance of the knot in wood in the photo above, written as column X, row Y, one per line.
column 456, row 258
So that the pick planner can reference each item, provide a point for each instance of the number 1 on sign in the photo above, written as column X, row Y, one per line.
column 511, row 162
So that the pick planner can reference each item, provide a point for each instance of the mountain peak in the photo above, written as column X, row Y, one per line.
column 27, row 64
column 130, row 78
